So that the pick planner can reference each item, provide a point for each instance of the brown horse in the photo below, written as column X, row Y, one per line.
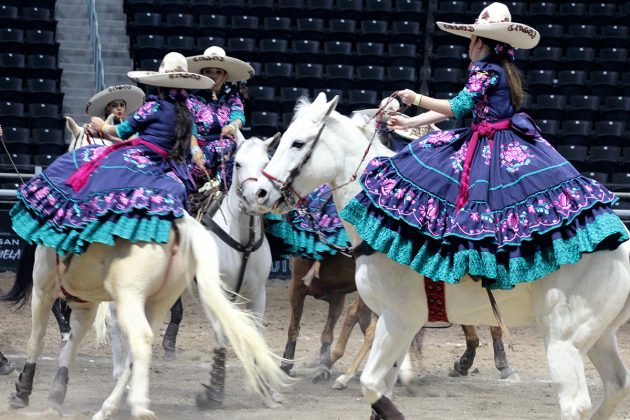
column 331, row 279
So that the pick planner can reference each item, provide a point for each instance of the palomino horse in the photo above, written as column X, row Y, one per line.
column 121, row 273
column 578, row 308
column 244, row 254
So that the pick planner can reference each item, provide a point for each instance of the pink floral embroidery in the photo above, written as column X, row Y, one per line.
column 458, row 158
column 138, row 158
column 514, row 156
column 388, row 186
column 438, row 138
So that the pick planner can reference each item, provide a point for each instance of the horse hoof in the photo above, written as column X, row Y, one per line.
column 457, row 371
column 340, row 384
column 206, row 403
column 170, row 355
column 6, row 368
column 286, row 369
column 323, row 374
column 273, row 401
column 17, row 402
column 510, row 374
column 376, row 416
column 52, row 412
column 142, row 413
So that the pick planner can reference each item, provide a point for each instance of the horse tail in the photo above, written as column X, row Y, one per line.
column 100, row 324
column 241, row 328
column 23, row 285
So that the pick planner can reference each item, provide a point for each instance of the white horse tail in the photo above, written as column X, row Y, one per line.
column 100, row 324
column 241, row 329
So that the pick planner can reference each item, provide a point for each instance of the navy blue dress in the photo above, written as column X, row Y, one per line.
column 135, row 192
column 506, row 207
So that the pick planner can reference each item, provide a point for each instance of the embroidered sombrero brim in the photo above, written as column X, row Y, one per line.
column 408, row 133
column 132, row 95
column 515, row 34
column 177, row 80
column 237, row 70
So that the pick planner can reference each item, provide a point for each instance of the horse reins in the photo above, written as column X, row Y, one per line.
column 246, row 249
column 11, row 159
column 286, row 187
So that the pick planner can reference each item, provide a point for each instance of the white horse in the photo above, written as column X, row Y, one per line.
column 243, row 251
column 578, row 308
column 144, row 280
column 80, row 137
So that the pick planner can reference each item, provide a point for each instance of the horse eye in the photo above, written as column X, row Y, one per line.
column 237, row 165
column 298, row 144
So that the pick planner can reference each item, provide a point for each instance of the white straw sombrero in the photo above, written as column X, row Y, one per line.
column 495, row 22
column 173, row 73
column 132, row 95
column 237, row 70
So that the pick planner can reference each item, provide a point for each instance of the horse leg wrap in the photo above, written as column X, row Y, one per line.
column 59, row 388
column 384, row 409
column 23, row 387
column 289, row 353
column 213, row 397
column 500, row 359
column 170, row 338
column 6, row 366
column 465, row 362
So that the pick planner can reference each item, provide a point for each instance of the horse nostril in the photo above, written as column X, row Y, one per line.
column 261, row 193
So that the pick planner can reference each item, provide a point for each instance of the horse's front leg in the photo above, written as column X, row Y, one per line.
column 342, row 381
column 297, row 295
column 81, row 320
column 112, row 403
column 41, row 305
column 500, row 358
column 335, row 308
column 465, row 362
column 212, row 398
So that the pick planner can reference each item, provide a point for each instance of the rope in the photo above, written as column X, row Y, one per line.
column 11, row 159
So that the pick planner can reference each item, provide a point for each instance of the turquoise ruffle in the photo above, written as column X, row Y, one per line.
column 304, row 243
column 451, row 267
column 76, row 241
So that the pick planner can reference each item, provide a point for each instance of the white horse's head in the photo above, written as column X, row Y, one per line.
column 79, row 136
column 249, row 160
column 310, row 153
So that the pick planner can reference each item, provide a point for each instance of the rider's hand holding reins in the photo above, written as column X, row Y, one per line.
column 397, row 122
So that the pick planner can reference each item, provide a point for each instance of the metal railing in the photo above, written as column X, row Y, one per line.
column 95, row 40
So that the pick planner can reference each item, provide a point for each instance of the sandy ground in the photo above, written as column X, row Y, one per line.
column 482, row 395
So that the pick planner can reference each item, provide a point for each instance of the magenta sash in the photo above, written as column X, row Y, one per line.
column 78, row 180
column 484, row 128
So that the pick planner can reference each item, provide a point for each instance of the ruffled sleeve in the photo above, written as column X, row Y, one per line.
column 139, row 120
column 236, row 108
column 481, row 79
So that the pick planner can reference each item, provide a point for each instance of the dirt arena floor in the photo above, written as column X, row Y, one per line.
column 482, row 395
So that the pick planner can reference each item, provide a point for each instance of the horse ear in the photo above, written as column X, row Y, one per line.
column 321, row 99
column 238, row 138
column 72, row 126
column 272, row 142
column 332, row 105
